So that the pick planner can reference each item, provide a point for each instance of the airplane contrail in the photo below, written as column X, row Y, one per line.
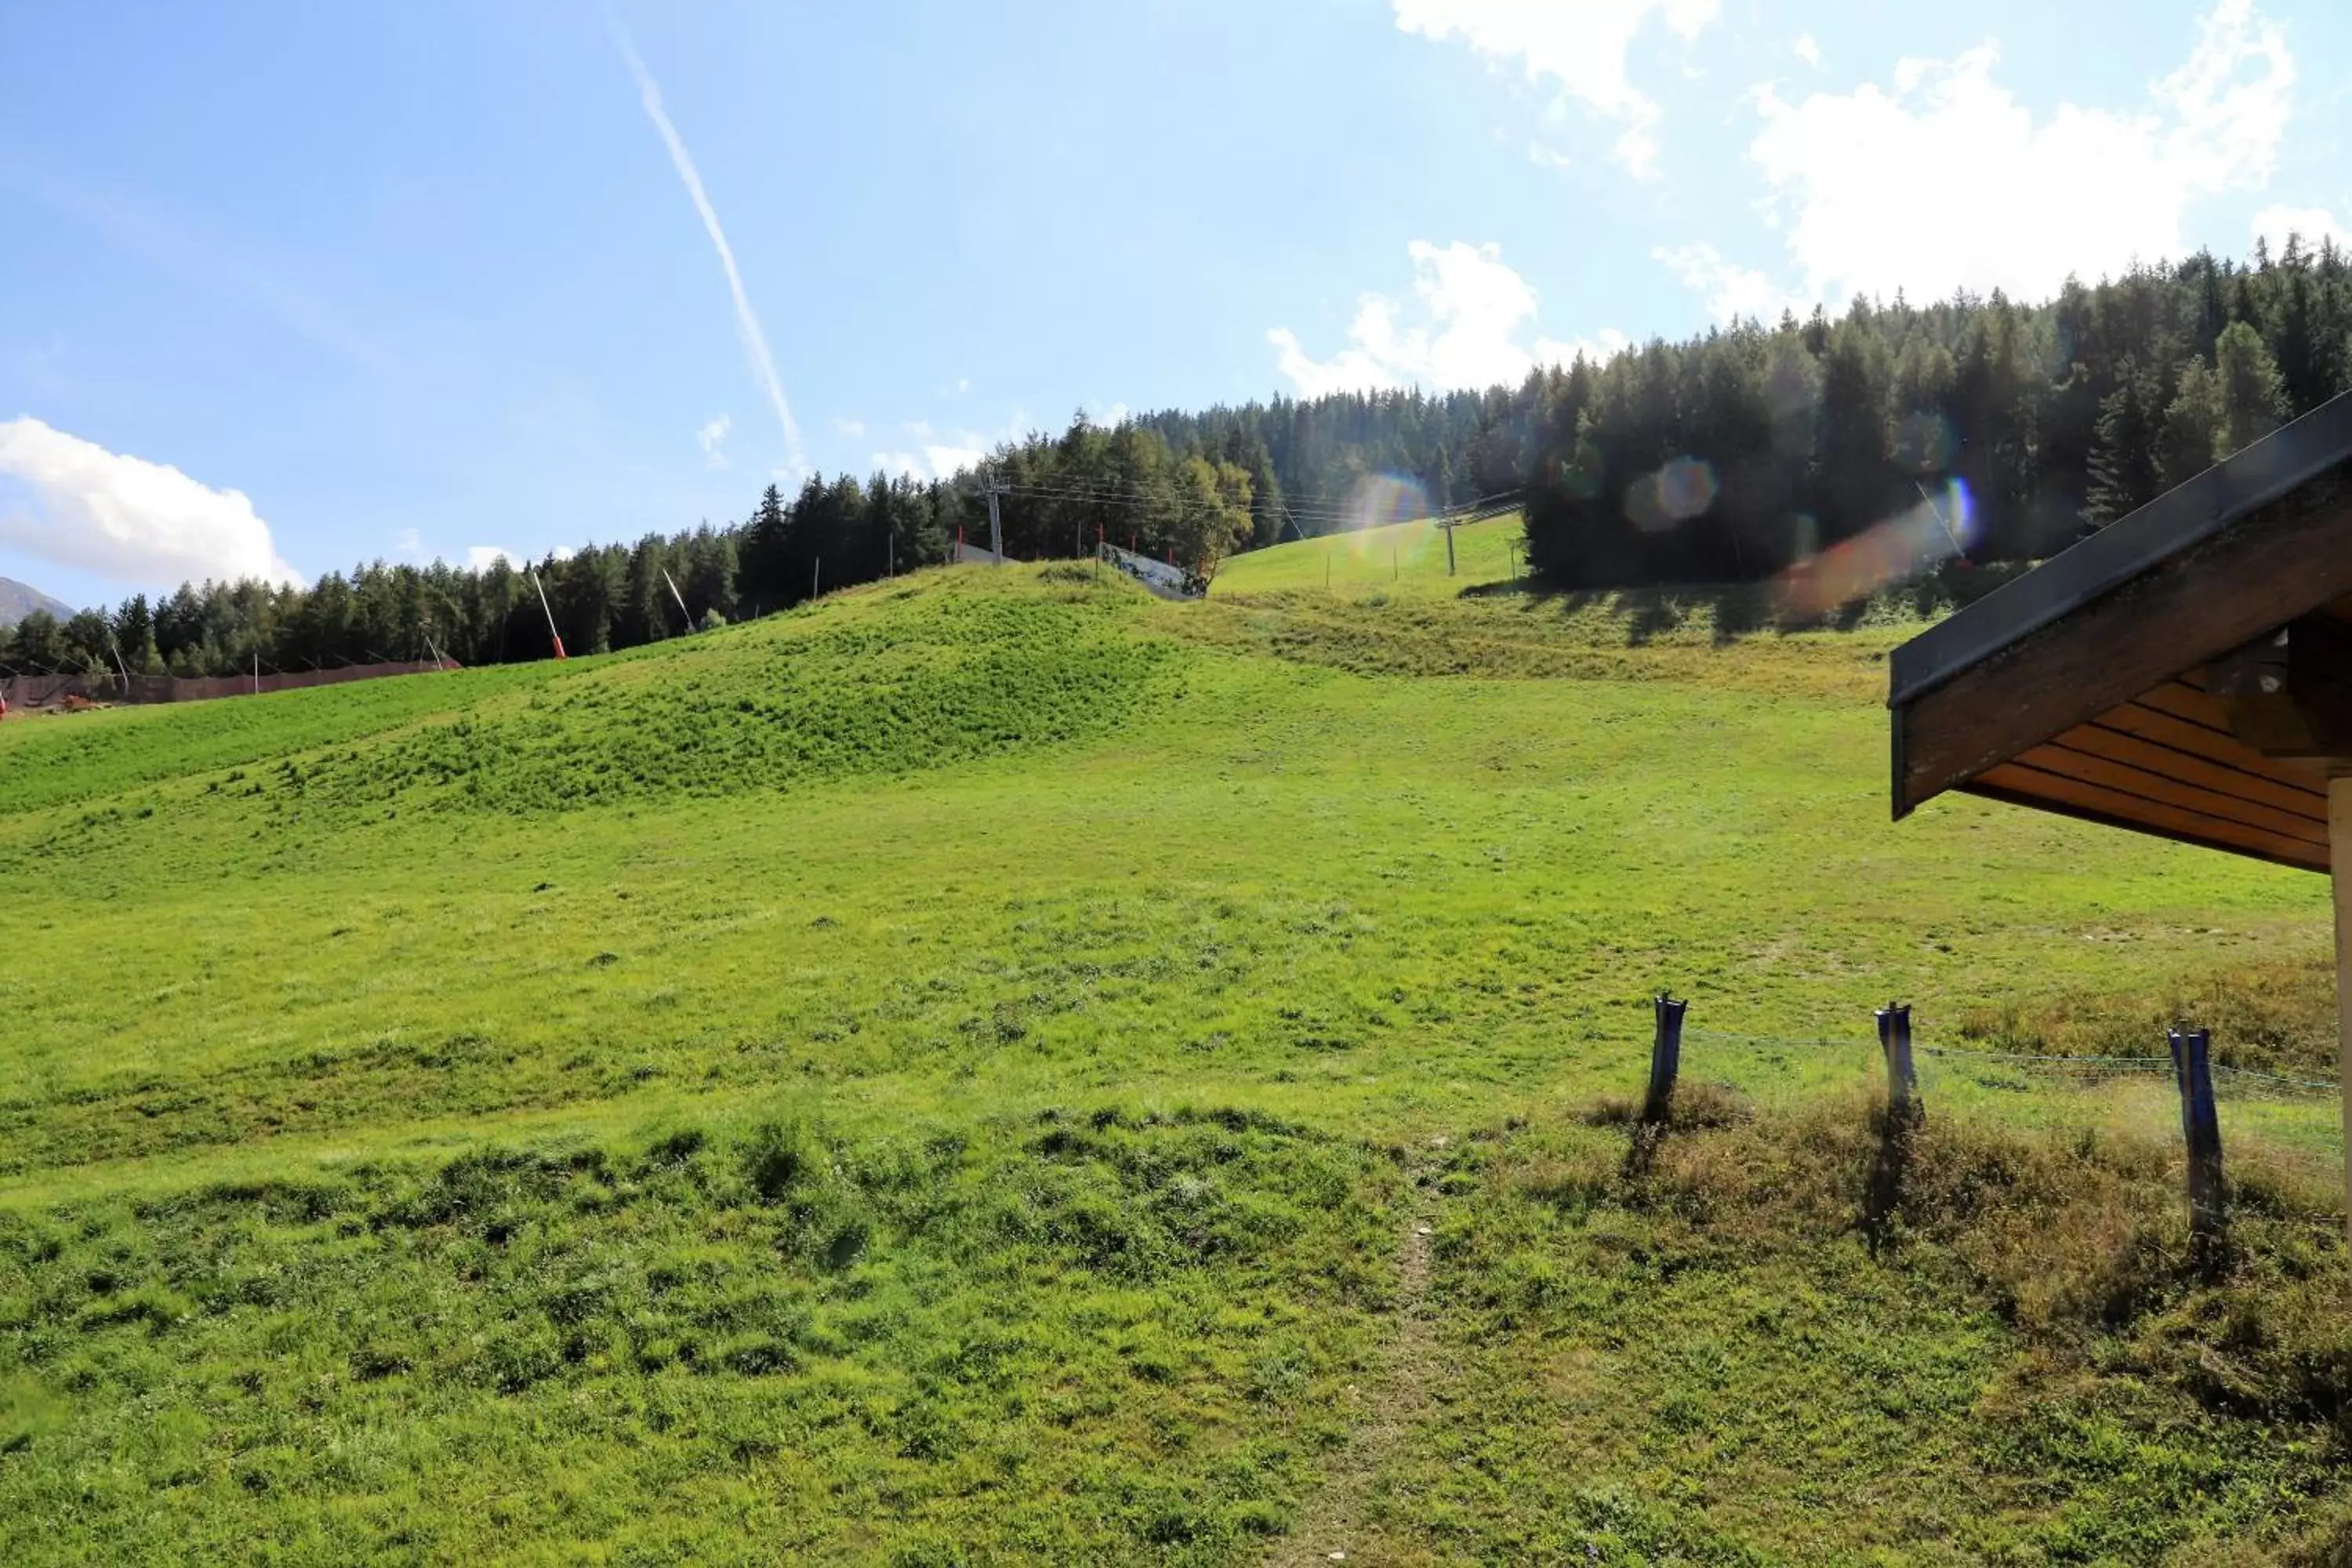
column 755, row 341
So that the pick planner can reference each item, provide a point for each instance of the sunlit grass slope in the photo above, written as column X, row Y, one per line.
column 1404, row 557
column 961, row 1072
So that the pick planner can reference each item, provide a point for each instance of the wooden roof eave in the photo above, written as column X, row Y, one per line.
column 2034, row 683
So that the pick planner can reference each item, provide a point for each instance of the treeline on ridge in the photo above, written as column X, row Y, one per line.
column 1738, row 455
column 1725, row 457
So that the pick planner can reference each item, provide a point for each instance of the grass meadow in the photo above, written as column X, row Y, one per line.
column 1404, row 557
column 994, row 1067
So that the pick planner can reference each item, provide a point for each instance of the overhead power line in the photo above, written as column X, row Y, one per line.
column 1099, row 496
column 1115, row 494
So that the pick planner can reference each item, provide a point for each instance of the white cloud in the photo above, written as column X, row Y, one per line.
column 74, row 502
column 1945, row 181
column 962, row 385
column 746, row 321
column 1544, row 157
column 712, row 439
column 408, row 541
column 2274, row 224
column 1808, row 50
column 931, row 462
column 1732, row 291
column 1599, row 349
column 482, row 557
column 1473, row 309
column 936, row 454
column 1579, row 44
column 853, row 428
column 947, row 460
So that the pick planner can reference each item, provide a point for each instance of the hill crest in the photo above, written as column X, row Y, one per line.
column 18, row 600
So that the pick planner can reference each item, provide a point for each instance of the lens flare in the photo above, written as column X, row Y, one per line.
column 1681, row 491
column 1380, row 499
column 1940, row 527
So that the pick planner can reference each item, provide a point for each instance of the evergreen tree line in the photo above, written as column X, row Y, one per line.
column 1059, row 497
column 2023, row 427
column 1724, row 458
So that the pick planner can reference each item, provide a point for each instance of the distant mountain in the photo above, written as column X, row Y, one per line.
column 17, row 601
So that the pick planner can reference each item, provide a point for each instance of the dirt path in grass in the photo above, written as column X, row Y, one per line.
column 1382, row 1409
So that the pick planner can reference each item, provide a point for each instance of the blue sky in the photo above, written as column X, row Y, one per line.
column 286, row 287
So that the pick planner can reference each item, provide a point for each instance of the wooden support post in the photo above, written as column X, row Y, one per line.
column 1901, row 1077
column 1666, row 1059
column 2200, row 1127
column 2339, row 852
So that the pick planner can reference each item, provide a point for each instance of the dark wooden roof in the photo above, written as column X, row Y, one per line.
column 2081, row 688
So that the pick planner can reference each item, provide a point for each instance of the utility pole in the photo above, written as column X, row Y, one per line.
column 1937, row 513
column 553, row 635
column 1448, row 525
column 995, row 488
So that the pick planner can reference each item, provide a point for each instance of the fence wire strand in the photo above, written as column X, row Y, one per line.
column 2265, row 1146
column 2062, row 1066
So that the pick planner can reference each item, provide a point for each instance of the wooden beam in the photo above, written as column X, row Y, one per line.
column 2170, row 785
column 2288, row 693
column 2202, row 768
column 2143, row 718
column 2280, row 561
column 2022, row 783
column 2339, row 830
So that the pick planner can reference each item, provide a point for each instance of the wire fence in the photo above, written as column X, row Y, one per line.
column 2078, row 1068
column 33, row 691
column 2268, row 1122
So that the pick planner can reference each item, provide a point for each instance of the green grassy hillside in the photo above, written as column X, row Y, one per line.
column 1403, row 557
column 994, row 1067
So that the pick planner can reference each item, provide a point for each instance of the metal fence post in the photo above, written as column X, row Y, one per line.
column 1902, row 1076
column 2200, row 1127
column 1666, row 1059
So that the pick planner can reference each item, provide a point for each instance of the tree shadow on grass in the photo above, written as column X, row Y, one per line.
column 1744, row 609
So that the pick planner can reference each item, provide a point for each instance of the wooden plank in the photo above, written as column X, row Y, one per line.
column 2166, row 789
column 2298, row 860
column 2197, row 740
column 2184, row 698
column 2038, row 787
column 2281, row 559
column 2339, row 827
column 2201, row 769
column 2224, row 750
